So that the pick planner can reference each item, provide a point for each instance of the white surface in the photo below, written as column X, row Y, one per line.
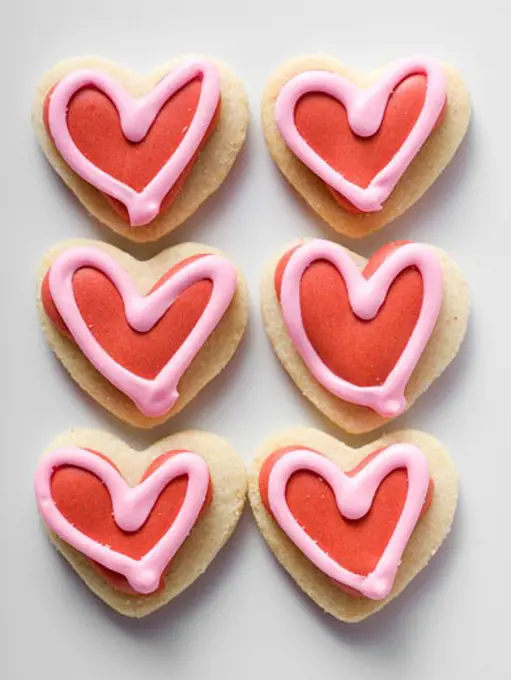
column 245, row 617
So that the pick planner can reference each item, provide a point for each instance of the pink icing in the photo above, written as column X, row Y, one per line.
column 354, row 496
column 152, row 397
column 131, row 508
column 137, row 116
column 366, row 296
column 365, row 109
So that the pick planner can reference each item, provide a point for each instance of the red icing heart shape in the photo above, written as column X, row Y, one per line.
column 356, row 545
column 102, row 308
column 94, row 124
column 323, row 123
column 84, row 500
column 360, row 352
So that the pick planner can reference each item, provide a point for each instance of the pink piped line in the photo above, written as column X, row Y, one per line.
column 365, row 109
column 131, row 509
column 157, row 396
column 366, row 296
column 137, row 116
column 354, row 497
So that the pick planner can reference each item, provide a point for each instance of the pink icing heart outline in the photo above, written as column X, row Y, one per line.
column 366, row 296
column 354, row 497
column 365, row 109
column 131, row 509
column 137, row 116
column 157, row 396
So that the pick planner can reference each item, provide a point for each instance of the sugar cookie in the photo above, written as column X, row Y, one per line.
column 139, row 526
column 362, row 340
column 361, row 149
column 141, row 154
column 142, row 338
column 353, row 526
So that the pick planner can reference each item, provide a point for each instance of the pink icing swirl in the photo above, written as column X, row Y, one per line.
column 157, row 396
column 365, row 109
column 354, row 497
column 366, row 296
column 131, row 509
column 137, row 116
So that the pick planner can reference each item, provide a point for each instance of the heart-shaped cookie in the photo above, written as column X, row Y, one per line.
column 142, row 338
column 129, row 147
column 139, row 526
column 353, row 526
column 362, row 149
column 363, row 340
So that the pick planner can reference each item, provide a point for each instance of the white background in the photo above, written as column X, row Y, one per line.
column 245, row 618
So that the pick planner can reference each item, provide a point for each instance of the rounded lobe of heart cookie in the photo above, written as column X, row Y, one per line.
column 362, row 352
column 360, row 142
column 357, row 545
column 102, row 308
column 323, row 123
column 99, row 134
column 85, row 502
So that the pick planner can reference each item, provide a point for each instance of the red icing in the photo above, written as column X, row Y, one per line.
column 360, row 352
column 84, row 500
column 323, row 123
column 356, row 545
column 94, row 125
column 102, row 308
